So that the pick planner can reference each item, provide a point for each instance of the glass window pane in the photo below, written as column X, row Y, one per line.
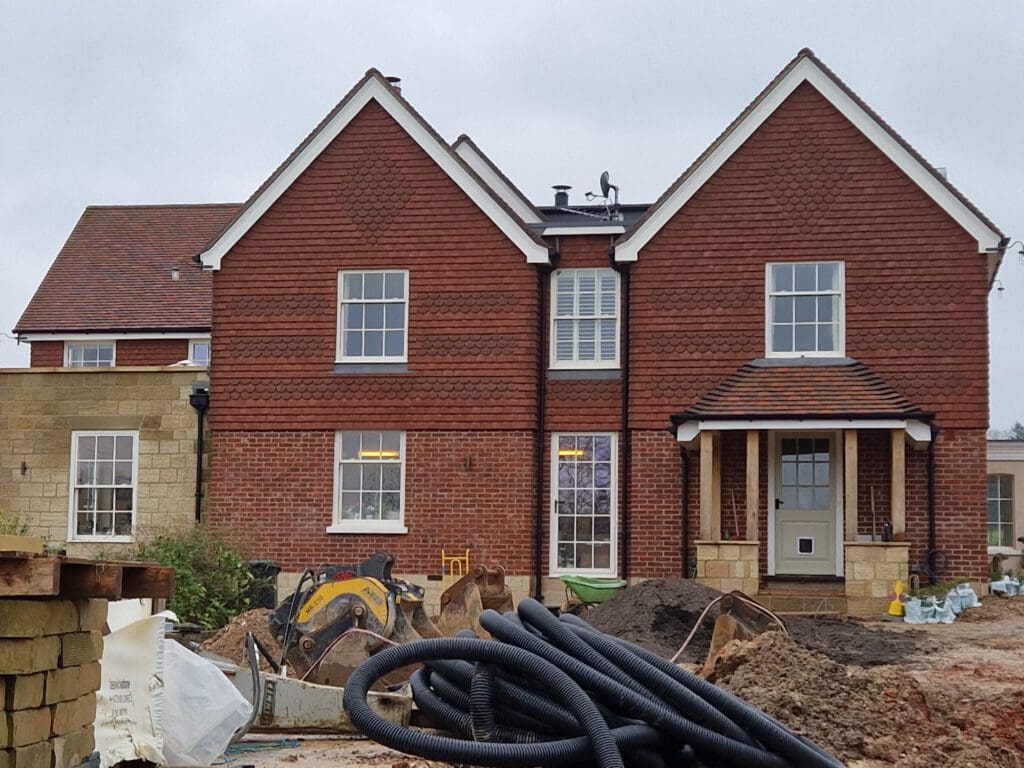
column 828, row 277
column 565, row 556
column 391, row 477
column 1006, row 486
column 789, row 473
column 371, row 506
column 105, row 447
column 394, row 315
column 394, row 343
column 805, row 498
column 804, row 308
column 86, row 447
column 391, row 506
column 373, row 285
column 587, row 304
column 394, row 285
column 584, row 502
column 585, row 475
column 104, row 499
column 85, row 524
column 122, row 525
column 602, row 502
column 391, row 442
column 602, row 475
column 821, row 474
column 782, row 338
column 371, row 441
column 566, row 475
column 85, row 474
column 804, row 338
column 993, row 482
column 350, row 445
column 104, row 523
column 123, row 447
column 584, row 556
column 993, row 511
column 373, row 344
column 782, row 309
column 826, row 306
column 566, row 528
column 826, row 338
column 602, row 448
column 373, row 316
column 805, row 474
column 122, row 473
column 789, row 497
column 822, row 498
column 585, row 443
column 353, row 343
column 353, row 286
column 608, row 341
column 350, row 503
column 584, row 528
column 104, row 473
column 602, row 556
column 782, row 277
column 86, row 499
column 602, row 528
column 350, row 477
column 353, row 316
column 804, row 277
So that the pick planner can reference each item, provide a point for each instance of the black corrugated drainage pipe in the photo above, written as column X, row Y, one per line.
column 623, row 269
column 931, row 505
column 200, row 400
column 543, row 289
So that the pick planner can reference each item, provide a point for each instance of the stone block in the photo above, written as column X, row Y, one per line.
column 707, row 552
column 77, row 648
column 717, row 569
column 737, row 569
column 27, row 726
column 32, row 755
column 856, row 588
column 866, row 607
column 898, row 554
column 711, row 583
column 72, row 682
column 6, row 758
column 92, row 614
column 33, row 618
column 20, row 657
column 728, row 585
column 702, row 569
column 23, row 691
column 879, row 589
column 728, row 552
column 887, row 572
column 5, row 733
column 750, row 586
column 72, row 749
column 863, row 571
column 69, row 716
column 871, row 554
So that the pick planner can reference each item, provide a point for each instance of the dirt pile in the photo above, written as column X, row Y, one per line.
column 881, row 716
column 229, row 641
column 660, row 613
column 993, row 607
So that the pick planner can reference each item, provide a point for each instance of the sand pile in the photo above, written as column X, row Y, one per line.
column 881, row 716
column 994, row 606
column 229, row 641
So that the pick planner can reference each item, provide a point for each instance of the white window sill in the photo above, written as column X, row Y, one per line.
column 101, row 539
column 1004, row 551
column 585, row 572
column 367, row 526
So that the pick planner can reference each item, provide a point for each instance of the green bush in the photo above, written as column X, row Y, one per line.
column 212, row 582
column 11, row 524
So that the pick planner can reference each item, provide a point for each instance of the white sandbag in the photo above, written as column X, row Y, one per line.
column 968, row 597
column 202, row 709
column 912, row 611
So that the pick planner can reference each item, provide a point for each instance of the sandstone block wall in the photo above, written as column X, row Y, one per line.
column 728, row 565
column 871, row 570
column 42, row 407
column 49, row 660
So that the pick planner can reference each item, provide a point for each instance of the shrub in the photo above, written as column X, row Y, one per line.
column 11, row 524
column 212, row 582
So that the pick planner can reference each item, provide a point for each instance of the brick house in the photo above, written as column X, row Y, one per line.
column 99, row 436
column 755, row 377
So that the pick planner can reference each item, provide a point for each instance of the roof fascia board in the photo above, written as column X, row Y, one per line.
column 688, row 430
column 485, row 170
column 100, row 335
column 617, row 229
column 376, row 90
column 807, row 70
column 1009, row 451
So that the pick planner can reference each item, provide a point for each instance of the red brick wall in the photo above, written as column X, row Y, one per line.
column 47, row 354
column 374, row 200
column 272, row 492
column 808, row 186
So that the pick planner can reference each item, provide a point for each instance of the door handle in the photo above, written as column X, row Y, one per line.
column 778, row 503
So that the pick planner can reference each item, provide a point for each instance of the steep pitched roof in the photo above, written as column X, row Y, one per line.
column 806, row 67
column 374, row 87
column 114, row 272
column 807, row 389
column 485, row 168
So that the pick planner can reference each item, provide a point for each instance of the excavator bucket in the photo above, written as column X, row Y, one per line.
column 741, row 618
column 462, row 603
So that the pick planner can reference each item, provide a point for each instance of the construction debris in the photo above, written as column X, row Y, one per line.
column 229, row 641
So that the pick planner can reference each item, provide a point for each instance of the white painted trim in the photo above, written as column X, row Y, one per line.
column 73, row 474
column 339, row 355
column 99, row 336
column 840, row 351
column 192, row 352
column 1004, row 551
column 838, row 477
column 807, row 70
column 554, row 363
column 97, row 342
column 373, row 89
column 688, row 430
column 553, row 570
column 371, row 526
column 603, row 230
column 1005, row 451
column 364, row 526
column 485, row 171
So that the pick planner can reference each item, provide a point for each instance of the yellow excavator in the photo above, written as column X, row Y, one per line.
column 340, row 615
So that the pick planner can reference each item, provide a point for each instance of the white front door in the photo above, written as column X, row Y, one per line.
column 805, row 505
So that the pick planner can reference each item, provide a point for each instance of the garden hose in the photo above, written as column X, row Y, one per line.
column 552, row 692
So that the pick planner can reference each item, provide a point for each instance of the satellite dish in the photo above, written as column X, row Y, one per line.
column 605, row 186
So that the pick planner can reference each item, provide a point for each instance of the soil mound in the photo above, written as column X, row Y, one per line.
column 994, row 606
column 659, row 614
column 881, row 715
column 229, row 641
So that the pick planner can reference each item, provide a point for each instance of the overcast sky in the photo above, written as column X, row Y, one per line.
column 104, row 103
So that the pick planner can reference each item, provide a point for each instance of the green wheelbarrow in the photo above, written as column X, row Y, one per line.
column 590, row 590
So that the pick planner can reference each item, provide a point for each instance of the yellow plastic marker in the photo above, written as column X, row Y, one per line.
column 896, row 606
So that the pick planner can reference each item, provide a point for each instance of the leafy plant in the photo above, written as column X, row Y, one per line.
column 212, row 581
column 11, row 524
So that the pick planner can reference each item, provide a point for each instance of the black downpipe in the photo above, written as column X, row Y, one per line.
column 200, row 400
column 543, row 284
column 684, row 461
column 627, row 453
column 931, row 505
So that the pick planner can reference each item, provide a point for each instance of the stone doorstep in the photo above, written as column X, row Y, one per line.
column 803, row 604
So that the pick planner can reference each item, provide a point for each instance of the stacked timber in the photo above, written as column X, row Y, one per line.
column 52, row 615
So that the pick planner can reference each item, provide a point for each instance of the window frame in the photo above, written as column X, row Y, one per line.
column 191, row 351
column 840, row 291
column 339, row 353
column 378, row 526
column 554, row 570
column 69, row 345
column 576, row 364
column 73, row 534
column 1005, row 547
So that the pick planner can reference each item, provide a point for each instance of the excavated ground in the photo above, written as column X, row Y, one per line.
column 877, row 694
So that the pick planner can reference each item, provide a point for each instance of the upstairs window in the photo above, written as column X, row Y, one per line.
column 89, row 354
column 1000, row 510
column 805, row 310
column 199, row 352
column 585, row 318
column 373, row 317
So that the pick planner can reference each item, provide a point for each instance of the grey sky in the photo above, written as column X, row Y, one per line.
column 195, row 102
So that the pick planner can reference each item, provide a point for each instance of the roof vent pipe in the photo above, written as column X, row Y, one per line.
column 561, row 195
column 395, row 82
